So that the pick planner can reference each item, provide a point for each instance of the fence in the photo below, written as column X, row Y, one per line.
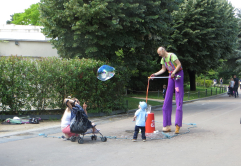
column 200, row 94
column 187, row 95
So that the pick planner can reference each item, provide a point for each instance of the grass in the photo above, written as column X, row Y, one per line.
column 200, row 92
column 133, row 103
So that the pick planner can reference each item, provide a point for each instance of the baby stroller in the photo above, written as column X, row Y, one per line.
column 228, row 90
column 80, row 124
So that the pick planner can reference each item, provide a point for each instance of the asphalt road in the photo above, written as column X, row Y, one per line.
column 214, row 142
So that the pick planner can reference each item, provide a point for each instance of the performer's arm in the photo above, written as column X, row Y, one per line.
column 179, row 65
column 161, row 71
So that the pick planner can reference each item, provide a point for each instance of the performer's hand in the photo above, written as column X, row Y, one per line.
column 173, row 75
column 153, row 75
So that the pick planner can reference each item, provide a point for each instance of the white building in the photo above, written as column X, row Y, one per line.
column 25, row 40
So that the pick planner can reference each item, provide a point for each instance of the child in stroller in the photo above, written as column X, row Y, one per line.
column 75, row 121
column 228, row 91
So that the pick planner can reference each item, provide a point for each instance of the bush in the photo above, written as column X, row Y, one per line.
column 43, row 84
column 208, row 83
column 200, row 82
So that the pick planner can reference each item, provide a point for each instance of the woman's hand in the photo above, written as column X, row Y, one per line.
column 84, row 106
column 77, row 102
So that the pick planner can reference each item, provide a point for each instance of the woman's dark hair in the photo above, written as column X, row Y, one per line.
column 73, row 104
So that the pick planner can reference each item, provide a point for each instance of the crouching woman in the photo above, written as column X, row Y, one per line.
column 72, row 106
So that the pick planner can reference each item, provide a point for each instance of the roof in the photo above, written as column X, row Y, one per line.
column 22, row 33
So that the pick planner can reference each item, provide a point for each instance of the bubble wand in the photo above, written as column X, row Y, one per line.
column 175, row 77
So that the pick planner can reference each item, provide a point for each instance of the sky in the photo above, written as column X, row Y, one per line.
column 9, row 7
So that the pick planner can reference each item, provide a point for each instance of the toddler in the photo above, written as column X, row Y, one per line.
column 140, row 117
column 164, row 91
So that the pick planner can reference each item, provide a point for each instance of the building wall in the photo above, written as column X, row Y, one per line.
column 27, row 48
column 30, row 40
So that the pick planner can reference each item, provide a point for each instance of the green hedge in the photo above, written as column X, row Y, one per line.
column 208, row 83
column 42, row 84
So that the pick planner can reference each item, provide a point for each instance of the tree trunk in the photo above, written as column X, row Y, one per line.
column 192, row 80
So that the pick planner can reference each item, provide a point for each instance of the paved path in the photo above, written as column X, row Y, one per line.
column 215, row 141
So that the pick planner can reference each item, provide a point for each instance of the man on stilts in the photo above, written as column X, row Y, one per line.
column 173, row 65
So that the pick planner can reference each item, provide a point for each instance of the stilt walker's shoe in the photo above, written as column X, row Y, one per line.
column 166, row 129
column 177, row 129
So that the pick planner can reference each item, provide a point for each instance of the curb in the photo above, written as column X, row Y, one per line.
column 48, row 117
column 30, row 130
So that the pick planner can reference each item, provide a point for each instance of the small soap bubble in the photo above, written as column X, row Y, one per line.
column 148, row 109
column 105, row 72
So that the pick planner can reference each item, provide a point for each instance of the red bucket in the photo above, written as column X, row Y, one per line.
column 150, row 123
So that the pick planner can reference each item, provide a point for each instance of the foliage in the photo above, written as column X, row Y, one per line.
column 43, row 84
column 205, row 31
column 232, row 64
column 12, row 84
column 4, row 41
column 9, row 21
column 208, row 83
column 29, row 17
column 124, row 33
column 237, row 57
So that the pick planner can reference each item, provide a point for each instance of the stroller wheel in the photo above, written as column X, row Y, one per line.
column 92, row 137
column 73, row 139
column 103, row 139
column 80, row 140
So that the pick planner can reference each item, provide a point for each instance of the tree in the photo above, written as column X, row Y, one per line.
column 205, row 32
column 232, row 63
column 9, row 21
column 123, row 32
column 29, row 16
column 237, row 56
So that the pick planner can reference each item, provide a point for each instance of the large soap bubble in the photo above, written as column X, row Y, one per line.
column 105, row 72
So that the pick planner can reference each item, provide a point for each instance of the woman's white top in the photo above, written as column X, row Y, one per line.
column 231, row 84
column 66, row 119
